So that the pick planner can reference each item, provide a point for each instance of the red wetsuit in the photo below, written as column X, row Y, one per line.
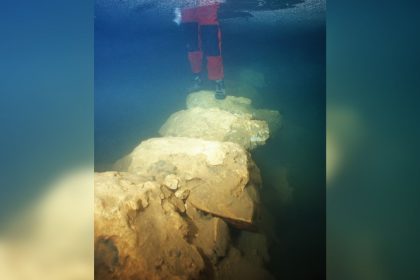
column 203, row 37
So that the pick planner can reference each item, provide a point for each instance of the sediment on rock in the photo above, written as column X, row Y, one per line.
column 235, row 105
column 139, row 232
column 143, row 230
column 216, row 174
column 218, row 125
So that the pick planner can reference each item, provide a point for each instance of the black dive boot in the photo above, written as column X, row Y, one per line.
column 196, row 83
column 220, row 90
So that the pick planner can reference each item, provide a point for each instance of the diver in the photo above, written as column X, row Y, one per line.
column 203, row 38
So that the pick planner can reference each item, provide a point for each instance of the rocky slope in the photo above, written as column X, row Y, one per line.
column 187, row 205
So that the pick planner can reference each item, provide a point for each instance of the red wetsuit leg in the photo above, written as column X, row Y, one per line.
column 211, row 39
column 215, row 63
column 191, row 29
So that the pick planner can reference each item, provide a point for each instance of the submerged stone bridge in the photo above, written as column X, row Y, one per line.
column 187, row 205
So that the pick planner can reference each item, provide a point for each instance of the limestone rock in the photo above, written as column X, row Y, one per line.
column 212, row 234
column 221, row 177
column 216, row 124
column 182, row 194
column 136, row 237
column 138, row 240
column 272, row 117
column 234, row 105
column 171, row 181
column 165, row 212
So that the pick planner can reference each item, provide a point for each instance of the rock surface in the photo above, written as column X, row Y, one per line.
column 221, row 177
column 235, row 105
column 216, row 124
column 139, row 235
column 168, row 209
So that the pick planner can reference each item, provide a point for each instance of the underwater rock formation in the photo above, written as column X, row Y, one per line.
column 235, row 105
column 187, row 207
column 216, row 124
column 220, row 176
column 140, row 232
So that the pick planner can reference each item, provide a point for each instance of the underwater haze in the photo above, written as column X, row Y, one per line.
column 141, row 76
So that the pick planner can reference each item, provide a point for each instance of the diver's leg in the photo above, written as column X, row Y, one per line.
column 190, row 27
column 211, row 39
